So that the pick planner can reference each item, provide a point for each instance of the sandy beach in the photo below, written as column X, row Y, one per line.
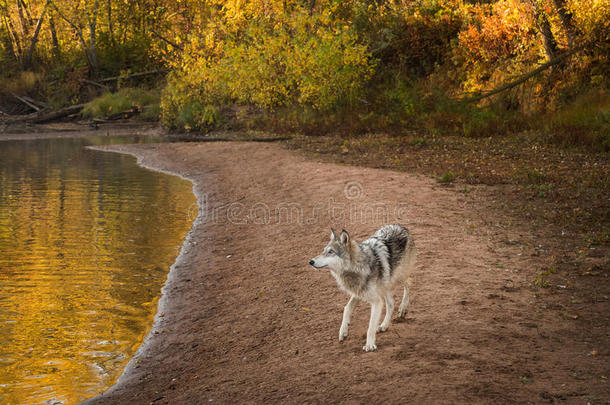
column 244, row 319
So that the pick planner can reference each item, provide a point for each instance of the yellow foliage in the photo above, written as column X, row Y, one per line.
column 291, row 58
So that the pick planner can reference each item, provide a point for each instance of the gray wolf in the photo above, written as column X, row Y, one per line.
column 367, row 271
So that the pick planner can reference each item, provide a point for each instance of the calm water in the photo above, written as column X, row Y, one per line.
column 86, row 241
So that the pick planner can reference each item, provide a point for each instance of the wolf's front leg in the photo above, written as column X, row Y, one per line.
column 376, row 308
column 347, row 313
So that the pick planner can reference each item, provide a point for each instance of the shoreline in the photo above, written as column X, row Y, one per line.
column 244, row 319
column 158, row 320
column 136, row 129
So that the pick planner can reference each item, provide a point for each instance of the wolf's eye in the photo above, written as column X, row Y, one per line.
column 331, row 252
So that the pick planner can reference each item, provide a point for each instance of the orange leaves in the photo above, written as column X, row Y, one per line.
column 499, row 36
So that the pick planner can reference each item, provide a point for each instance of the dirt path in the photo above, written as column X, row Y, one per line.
column 246, row 320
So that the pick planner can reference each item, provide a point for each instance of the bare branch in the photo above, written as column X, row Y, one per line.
column 172, row 43
column 147, row 73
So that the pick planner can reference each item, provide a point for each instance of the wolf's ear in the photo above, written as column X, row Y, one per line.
column 344, row 237
column 333, row 236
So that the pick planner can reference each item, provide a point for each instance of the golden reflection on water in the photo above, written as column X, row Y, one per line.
column 86, row 241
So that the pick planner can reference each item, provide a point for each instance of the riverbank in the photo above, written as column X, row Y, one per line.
column 245, row 319
column 74, row 130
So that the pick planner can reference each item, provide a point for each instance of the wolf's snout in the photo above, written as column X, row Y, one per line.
column 311, row 262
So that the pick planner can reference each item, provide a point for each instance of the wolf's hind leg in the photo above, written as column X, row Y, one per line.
column 402, row 310
column 389, row 307
column 376, row 307
column 347, row 313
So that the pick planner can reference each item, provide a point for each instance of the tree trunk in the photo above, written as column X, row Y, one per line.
column 566, row 20
column 110, row 23
column 28, row 16
column 22, row 20
column 548, row 40
column 92, row 41
column 93, row 69
column 311, row 6
column 54, row 39
column 28, row 56
column 8, row 43
column 13, row 39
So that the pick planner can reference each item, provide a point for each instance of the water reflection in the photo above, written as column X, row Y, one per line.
column 86, row 240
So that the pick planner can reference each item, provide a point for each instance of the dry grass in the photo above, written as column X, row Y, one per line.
column 112, row 103
column 23, row 83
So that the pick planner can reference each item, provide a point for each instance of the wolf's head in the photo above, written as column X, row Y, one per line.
column 336, row 254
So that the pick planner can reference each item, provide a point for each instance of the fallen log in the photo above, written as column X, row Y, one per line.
column 26, row 102
column 43, row 116
column 124, row 114
column 117, row 116
column 41, row 104
column 63, row 112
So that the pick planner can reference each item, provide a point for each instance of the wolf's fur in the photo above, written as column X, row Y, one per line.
column 367, row 271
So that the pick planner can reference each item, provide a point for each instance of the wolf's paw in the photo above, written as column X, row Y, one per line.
column 343, row 332
column 383, row 328
column 369, row 348
column 402, row 313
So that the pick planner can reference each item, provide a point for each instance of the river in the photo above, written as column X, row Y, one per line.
column 86, row 242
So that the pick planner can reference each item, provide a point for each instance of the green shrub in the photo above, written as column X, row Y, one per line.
column 195, row 115
column 480, row 122
column 400, row 103
column 534, row 176
column 446, row 178
column 107, row 104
